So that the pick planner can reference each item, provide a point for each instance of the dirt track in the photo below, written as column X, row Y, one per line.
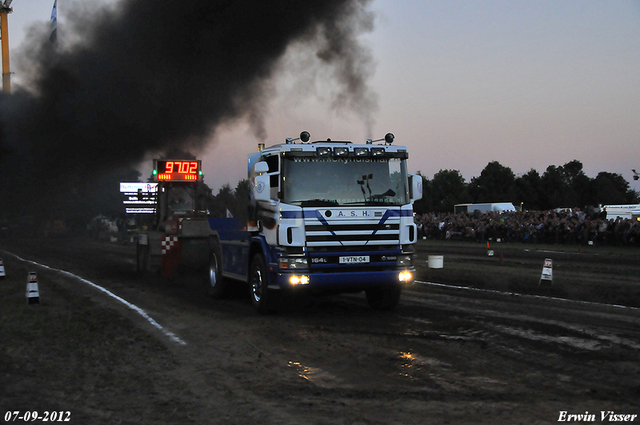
column 444, row 356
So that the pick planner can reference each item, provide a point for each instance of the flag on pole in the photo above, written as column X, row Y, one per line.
column 54, row 23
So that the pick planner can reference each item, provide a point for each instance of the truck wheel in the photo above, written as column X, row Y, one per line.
column 258, row 290
column 384, row 297
column 215, row 283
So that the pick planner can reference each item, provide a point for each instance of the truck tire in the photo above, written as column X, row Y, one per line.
column 215, row 283
column 258, row 290
column 384, row 297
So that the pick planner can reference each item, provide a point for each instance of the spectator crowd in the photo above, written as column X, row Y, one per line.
column 570, row 226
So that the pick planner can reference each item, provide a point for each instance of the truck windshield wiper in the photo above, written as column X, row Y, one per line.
column 370, row 202
column 317, row 202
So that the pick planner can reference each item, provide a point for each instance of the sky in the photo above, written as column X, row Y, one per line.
column 461, row 83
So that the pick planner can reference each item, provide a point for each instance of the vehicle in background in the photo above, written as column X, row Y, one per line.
column 621, row 211
column 177, row 236
column 484, row 208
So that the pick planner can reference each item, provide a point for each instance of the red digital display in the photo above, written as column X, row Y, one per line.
column 177, row 170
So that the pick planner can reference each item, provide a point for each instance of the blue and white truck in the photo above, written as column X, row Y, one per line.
column 324, row 217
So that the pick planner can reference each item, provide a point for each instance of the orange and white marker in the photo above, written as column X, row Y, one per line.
column 33, row 295
column 2, row 274
column 547, row 273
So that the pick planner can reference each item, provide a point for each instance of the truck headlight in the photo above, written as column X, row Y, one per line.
column 404, row 260
column 293, row 263
column 405, row 276
column 299, row 280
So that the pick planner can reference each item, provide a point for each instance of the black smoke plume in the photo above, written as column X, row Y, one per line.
column 149, row 75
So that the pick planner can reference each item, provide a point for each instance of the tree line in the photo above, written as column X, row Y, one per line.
column 558, row 187
column 79, row 198
column 563, row 186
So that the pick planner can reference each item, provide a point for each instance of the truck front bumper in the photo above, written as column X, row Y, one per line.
column 344, row 280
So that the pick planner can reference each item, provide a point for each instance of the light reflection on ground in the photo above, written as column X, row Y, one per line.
column 315, row 375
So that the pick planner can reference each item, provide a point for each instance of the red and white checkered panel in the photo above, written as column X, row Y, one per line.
column 167, row 243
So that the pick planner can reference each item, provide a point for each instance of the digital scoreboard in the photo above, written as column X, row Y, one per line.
column 177, row 170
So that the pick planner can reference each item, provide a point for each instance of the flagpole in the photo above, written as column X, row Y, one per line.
column 4, row 34
column 53, row 37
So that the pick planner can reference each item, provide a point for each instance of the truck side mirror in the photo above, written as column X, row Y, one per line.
column 261, row 189
column 261, row 167
column 415, row 182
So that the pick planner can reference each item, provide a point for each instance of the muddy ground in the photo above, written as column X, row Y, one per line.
column 163, row 353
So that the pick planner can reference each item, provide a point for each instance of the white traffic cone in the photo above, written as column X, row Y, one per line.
column 489, row 250
column 2, row 274
column 546, row 279
column 33, row 295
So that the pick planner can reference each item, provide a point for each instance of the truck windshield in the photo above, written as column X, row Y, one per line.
column 180, row 200
column 344, row 181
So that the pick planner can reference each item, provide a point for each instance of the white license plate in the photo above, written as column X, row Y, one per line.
column 354, row 259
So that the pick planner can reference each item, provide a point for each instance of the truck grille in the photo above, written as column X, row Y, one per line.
column 337, row 234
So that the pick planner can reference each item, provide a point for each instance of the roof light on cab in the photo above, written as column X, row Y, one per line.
column 323, row 151
column 340, row 151
column 361, row 151
column 377, row 151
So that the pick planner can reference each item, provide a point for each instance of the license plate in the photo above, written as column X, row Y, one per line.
column 354, row 259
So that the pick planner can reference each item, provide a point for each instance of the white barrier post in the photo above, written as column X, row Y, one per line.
column 546, row 278
column 2, row 274
column 33, row 295
column 436, row 261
